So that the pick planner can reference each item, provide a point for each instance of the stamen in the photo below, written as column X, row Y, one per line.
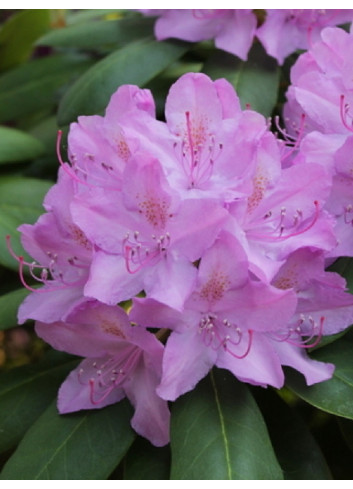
column 71, row 171
column 292, row 142
column 198, row 152
column 211, row 330
column 344, row 112
column 297, row 219
column 23, row 281
column 65, row 166
column 316, row 331
column 111, row 374
column 44, row 270
column 250, row 333
column 138, row 254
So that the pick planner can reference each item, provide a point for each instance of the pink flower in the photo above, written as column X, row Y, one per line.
column 121, row 360
column 283, row 213
column 321, row 85
column 145, row 237
column 223, row 230
column 225, row 323
column 62, row 255
column 322, row 90
column 324, row 307
column 320, row 294
column 208, row 138
column 99, row 147
column 232, row 30
column 286, row 30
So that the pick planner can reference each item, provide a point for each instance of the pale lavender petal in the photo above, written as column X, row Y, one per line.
column 187, row 25
column 152, row 314
column 296, row 357
column 50, row 304
column 238, row 33
column 151, row 417
column 172, row 281
column 76, row 393
column 261, row 366
column 109, row 280
column 186, row 361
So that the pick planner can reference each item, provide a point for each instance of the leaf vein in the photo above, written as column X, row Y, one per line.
column 224, row 434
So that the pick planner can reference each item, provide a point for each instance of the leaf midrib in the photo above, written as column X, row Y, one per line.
column 223, row 429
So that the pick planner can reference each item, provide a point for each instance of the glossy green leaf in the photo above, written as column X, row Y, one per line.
column 147, row 462
column 75, row 17
column 137, row 63
column 296, row 449
column 256, row 80
column 20, row 202
column 17, row 145
column 19, row 33
column 334, row 396
column 93, row 35
column 25, row 392
column 217, row 432
column 9, row 304
column 38, row 84
column 87, row 445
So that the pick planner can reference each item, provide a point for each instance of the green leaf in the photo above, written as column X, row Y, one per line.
column 147, row 462
column 346, row 427
column 38, row 84
column 296, row 449
column 9, row 304
column 25, row 392
column 17, row 145
column 19, row 33
column 17, row 190
column 93, row 35
column 20, row 202
column 256, row 80
column 46, row 132
column 217, row 432
column 87, row 445
column 137, row 63
column 334, row 396
column 90, row 14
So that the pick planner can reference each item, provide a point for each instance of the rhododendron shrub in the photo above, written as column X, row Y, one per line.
column 188, row 268
column 201, row 247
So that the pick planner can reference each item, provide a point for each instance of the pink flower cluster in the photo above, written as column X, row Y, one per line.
column 200, row 222
column 322, row 93
column 282, row 32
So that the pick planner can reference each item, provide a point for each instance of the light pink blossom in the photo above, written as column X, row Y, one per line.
column 232, row 30
column 121, row 360
column 286, row 30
